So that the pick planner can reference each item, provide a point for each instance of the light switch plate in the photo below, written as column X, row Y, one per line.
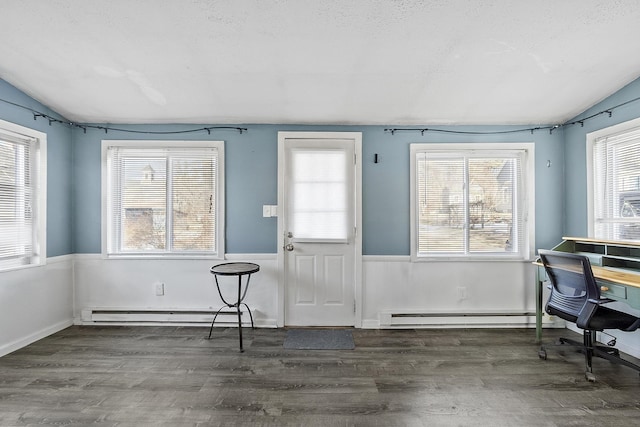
column 269, row 211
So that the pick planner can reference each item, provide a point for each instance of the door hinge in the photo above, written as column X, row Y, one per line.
column 354, row 307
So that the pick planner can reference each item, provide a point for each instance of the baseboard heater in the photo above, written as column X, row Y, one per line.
column 227, row 317
column 453, row 319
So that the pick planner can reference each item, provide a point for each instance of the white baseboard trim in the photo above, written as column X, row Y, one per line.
column 30, row 339
column 262, row 324
column 370, row 324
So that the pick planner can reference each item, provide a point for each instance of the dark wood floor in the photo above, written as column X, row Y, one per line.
column 139, row 376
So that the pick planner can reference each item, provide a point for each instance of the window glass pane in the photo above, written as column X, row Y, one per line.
column 143, row 203
column 193, row 204
column 627, row 190
column 469, row 201
column 319, row 187
column 491, row 190
column 441, row 204
column 162, row 198
column 16, row 198
column 617, row 186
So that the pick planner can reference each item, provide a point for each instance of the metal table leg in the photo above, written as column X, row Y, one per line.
column 236, row 305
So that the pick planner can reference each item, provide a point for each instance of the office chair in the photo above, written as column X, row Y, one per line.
column 575, row 297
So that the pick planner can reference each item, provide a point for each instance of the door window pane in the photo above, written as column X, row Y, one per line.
column 319, row 203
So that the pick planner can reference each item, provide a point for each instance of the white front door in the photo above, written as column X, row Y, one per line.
column 319, row 214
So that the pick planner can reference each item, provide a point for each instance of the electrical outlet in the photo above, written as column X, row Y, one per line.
column 159, row 289
column 462, row 293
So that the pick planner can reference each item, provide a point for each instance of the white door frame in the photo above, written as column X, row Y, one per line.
column 357, row 138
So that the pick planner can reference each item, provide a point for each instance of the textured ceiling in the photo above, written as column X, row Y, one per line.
column 320, row 61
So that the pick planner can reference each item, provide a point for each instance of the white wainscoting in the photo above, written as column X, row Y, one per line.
column 498, row 293
column 396, row 285
column 121, row 285
column 35, row 302
column 447, row 294
column 39, row 301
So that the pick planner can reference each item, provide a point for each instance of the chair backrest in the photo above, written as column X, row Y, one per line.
column 572, row 281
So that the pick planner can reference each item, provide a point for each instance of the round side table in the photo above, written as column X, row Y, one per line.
column 234, row 269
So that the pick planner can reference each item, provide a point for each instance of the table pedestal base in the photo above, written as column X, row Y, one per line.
column 238, row 269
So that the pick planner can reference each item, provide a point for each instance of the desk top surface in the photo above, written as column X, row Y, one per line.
column 616, row 276
column 603, row 241
column 620, row 275
column 235, row 268
column 612, row 275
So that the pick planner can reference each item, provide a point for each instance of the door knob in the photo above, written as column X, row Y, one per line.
column 288, row 247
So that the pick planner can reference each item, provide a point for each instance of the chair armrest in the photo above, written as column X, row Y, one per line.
column 634, row 326
column 586, row 313
column 601, row 301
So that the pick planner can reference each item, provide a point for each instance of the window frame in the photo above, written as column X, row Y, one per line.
column 630, row 126
column 526, row 199
column 219, row 231
column 38, row 167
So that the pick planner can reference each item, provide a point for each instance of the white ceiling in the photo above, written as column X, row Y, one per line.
column 399, row 62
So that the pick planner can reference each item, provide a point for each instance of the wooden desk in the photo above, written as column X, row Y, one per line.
column 615, row 265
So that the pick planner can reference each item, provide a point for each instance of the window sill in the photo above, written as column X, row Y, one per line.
column 161, row 256
column 21, row 267
column 462, row 258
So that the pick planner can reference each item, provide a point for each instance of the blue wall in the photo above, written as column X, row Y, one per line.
column 74, row 173
column 251, row 181
column 575, row 223
column 59, row 165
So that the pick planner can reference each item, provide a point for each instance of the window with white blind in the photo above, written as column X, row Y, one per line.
column 615, row 188
column 163, row 198
column 471, row 200
column 22, row 196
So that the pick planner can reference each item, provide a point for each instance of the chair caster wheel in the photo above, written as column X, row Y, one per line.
column 542, row 353
column 590, row 377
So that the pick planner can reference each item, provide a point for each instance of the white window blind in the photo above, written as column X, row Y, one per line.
column 18, row 200
column 162, row 200
column 469, row 202
column 319, row 206
column 616, row 179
